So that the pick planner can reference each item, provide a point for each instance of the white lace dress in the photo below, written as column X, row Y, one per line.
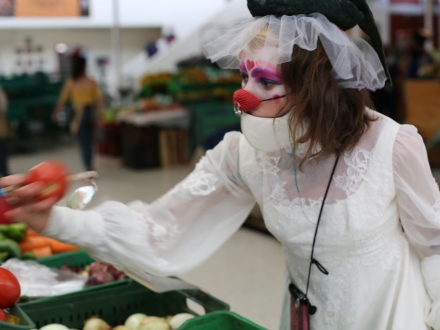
column 380, row 276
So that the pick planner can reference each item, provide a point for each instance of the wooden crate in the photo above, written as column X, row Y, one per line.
column 422, row 109
column 173, row 146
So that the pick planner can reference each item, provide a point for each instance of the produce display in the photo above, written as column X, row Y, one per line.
column 158, row 102
column 17, row 241
column 97, row 273
column 156, row 78
column 136, row 321
column 35, row 245
column 10, row 235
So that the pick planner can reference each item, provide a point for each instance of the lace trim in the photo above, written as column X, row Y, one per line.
column 357, row 163
column 201, row 183
column 163, row 237
column 267, row 164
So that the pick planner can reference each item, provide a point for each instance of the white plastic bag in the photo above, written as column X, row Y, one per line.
column 40, row 281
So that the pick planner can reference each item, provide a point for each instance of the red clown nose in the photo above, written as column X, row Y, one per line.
column 245, row 101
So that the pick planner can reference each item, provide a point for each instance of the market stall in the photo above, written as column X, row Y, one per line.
column 123, row 305
column 156, row 138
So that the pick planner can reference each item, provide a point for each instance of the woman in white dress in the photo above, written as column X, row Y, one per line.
column 305, row 115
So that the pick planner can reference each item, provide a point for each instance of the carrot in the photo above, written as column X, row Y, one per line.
column 42, row 252
column 30, row 232
column 59, row 247
column 33, row 242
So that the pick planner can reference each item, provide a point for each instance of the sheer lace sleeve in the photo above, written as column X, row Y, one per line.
column 419, row 208
column 176, row 232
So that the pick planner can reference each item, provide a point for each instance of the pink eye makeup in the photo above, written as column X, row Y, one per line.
column 263, row 73
column 266, row 75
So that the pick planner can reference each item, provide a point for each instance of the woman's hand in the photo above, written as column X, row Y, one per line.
column 25, row 207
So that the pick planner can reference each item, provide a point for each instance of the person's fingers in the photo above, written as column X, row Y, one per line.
column 27, row 192
column 13, row 180
column 44, row 205
column 16, row 214
column 35, row 220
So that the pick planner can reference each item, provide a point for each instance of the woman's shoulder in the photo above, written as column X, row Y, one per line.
column 69, row 82
column 408, row 140
column 90, row 80
column 232, row 140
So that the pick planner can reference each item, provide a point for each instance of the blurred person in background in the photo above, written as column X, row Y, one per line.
column 4, row 134
column 87, row 101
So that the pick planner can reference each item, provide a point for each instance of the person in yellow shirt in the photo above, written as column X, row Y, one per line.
column 87, row 102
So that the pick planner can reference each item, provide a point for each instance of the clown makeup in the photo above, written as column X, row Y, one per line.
column 263, row 80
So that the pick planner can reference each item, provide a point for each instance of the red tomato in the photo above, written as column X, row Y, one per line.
column 54, row 175
column 9, row 289
column 2, row 316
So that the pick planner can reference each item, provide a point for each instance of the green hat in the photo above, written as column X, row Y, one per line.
column 344, row 13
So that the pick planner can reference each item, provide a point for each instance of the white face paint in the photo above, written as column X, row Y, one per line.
column 263, row 80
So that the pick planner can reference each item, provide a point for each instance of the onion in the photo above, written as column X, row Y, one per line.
column 154, row 323
column 177, row 321
column 54, row 326
column 96, row 324
column 134, row 321
column 120, row 327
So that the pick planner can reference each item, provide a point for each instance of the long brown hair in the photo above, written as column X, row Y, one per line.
column 332, row 119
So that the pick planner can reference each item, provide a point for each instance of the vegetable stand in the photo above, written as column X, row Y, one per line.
column 115, row 302
column 76, row 259
column 115, row 305
column 17, row 241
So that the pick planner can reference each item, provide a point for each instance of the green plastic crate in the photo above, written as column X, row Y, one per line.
column 115, row 305
column 220, row 320
column 25, row 321
column 74, row 259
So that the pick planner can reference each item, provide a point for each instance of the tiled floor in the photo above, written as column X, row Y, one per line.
column 247, row 272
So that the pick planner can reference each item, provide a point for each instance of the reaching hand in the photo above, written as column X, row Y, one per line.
column 26, row 208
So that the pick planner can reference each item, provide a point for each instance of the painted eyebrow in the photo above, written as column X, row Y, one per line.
column 264, row 73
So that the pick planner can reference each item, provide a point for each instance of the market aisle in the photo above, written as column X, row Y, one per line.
column 247, row 272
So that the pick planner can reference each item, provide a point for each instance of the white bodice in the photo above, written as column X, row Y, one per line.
column 359, row 227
